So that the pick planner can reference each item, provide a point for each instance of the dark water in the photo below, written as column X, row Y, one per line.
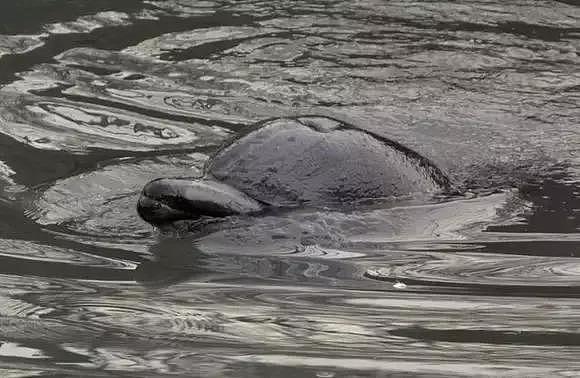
column 100, row 96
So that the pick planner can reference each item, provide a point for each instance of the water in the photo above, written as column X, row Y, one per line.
column 100, row 96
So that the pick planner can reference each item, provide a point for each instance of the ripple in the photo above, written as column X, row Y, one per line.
column 179, row 93
column 19, row 44
column 6, row 181
column 68, row 126
column 396, row 366
column 86, row 24
column 473, row 271
column 159, row 46
column 185, row 8
column 37, row 252
column 102, row 202
column 349, row 232
column 21, row 329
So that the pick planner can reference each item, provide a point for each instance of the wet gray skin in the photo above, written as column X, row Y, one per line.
column 293, row 162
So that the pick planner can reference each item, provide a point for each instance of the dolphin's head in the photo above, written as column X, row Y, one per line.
column 170, row 199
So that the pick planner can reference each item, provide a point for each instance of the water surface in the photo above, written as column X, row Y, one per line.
column 100, row 96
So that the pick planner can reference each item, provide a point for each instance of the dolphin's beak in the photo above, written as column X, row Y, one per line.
column 170, row 199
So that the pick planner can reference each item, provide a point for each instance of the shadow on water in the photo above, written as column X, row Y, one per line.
column 555, row 207
column 490, row 337
column 179, row 260
column 33, row 166
column 173, row 261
